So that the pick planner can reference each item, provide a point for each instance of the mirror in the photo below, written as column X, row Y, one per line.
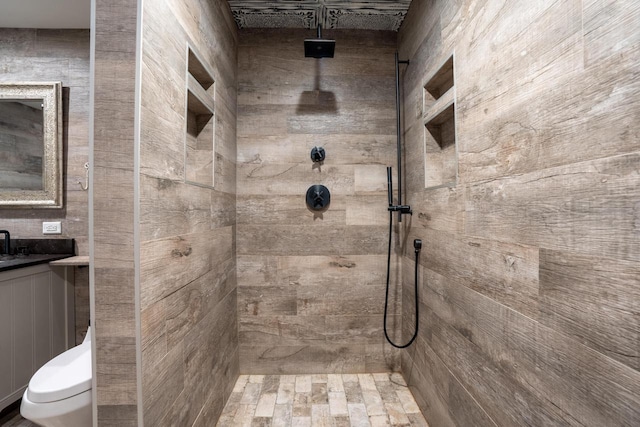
column 31, row 145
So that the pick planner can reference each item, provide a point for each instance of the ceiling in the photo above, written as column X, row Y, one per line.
column 337, row 14
column 45, row 13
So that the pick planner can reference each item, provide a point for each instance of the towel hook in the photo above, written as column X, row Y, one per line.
column 85, row 186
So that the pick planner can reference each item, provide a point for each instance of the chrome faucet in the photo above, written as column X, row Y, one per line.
column 7, row 242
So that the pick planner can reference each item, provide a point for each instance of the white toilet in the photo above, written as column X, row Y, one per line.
column 59, row 393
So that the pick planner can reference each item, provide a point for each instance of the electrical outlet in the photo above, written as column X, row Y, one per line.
column 51, row 228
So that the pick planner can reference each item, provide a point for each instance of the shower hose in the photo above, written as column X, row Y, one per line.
column 386, row 297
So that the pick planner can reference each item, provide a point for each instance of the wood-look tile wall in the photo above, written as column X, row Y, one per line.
column 530, row 275
column 114, row 272
column 311, row 286
column 187, row 232
column 31, row 55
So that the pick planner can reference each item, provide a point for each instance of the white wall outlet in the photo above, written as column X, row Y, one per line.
column 51, row 228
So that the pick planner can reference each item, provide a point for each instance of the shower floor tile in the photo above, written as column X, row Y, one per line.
column 333, row 400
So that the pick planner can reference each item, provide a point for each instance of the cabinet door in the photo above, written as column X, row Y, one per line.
column 23, row 331
column 6, row 352
column 34, row 325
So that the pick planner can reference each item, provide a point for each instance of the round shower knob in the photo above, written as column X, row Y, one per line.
column 318, row 198
column 318, row 154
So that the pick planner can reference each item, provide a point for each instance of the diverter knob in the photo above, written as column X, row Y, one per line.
column 318, row 154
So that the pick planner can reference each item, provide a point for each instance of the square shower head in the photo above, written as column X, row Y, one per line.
column 319, row 48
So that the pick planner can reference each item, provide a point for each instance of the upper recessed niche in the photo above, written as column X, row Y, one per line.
column 200, row 121
column 440, row 153
column 442, row 80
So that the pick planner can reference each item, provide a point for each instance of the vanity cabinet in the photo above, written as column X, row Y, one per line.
column 36, row 323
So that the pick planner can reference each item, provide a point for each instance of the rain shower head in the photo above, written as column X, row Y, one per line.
column 319, row 47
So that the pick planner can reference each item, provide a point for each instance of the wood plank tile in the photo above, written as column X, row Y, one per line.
column 302, row 359
column 506, row 272
column 289, row 209
column 328, row 270
column 592, row 116
column 598, row 218
column 171, row 263
column 330, row 240
column 268, row 300
column 293, row 179
column 338, row 300
column 566, row 362
column 608, row 28
column 282, row 330
column 589, row 298
column 171, row 207
column 342, row 149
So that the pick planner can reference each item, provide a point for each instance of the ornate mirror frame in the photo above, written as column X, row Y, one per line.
column 51, row 196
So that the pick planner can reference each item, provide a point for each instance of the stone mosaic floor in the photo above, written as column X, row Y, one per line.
column 362, row 400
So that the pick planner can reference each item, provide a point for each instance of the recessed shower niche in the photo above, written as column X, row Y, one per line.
column 200, row 121
column 440, row 153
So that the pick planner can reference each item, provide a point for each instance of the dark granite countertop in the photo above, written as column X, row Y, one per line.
column 28, row 252
column 21, row 261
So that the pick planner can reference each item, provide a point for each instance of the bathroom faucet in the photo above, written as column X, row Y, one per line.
column 7, row 241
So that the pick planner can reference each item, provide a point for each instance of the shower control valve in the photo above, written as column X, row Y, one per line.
column 318, row 198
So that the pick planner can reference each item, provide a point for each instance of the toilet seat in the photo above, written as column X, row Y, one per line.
column 74, row 411
column 66, row 375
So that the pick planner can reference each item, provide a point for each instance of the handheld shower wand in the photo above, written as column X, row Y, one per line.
column 417, row 244
column 389, row 186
